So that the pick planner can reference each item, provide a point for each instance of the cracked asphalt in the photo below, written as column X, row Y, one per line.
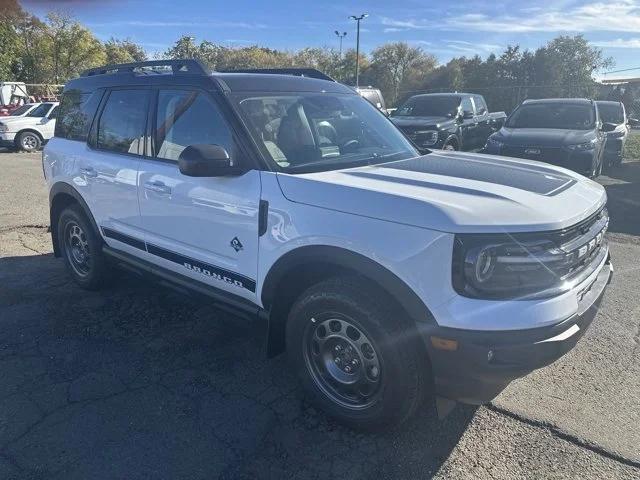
column 137, row 382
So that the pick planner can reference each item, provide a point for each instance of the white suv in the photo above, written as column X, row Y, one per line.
column 387, row 276
column 30, row 131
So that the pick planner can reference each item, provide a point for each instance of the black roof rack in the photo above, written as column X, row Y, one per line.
column 189, row 66
column 298, row 72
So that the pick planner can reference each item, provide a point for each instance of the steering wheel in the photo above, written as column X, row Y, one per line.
column 351, row 145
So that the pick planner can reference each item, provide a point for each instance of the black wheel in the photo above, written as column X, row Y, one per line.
column 29, row 141
column 81, row 249
column 451, row 147
column 597, row 171
column 354, row 356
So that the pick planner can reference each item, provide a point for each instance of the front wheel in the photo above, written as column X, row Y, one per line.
column 29, row 141
column 356, row 358
column 451, row 147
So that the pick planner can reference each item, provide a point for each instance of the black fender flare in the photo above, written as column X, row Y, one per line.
column 64, row 189
column 453, row 136
column 345, row 259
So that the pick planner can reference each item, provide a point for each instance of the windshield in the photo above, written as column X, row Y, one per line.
column 563, row 116
column 429, row 106
column 21, row 110
column 40, row 111
column 303, row 132
column 611, row 112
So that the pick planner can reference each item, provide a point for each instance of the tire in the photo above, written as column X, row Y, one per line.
column 354, row 357
column 598, row 170
column 81, row 249
column 29, row 142
column 451, row 147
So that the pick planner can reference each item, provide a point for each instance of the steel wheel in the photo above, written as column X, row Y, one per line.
column 342, row 361
column 29, row 142
column 76, row 249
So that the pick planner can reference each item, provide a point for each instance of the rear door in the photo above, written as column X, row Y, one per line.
column 108, row 172
column 203, row 228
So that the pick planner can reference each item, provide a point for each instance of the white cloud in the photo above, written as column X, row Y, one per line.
column 615, row 16
column 619, row 43
column 472, row 47
column 151, row 24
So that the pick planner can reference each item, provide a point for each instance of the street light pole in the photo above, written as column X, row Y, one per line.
column 340, row 36
column 357, row 19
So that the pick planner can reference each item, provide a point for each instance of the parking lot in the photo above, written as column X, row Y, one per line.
column 137, row 382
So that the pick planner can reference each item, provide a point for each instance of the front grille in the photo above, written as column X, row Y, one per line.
column 553, row 155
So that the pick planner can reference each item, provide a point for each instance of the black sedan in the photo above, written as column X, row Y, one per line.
column 563, row 131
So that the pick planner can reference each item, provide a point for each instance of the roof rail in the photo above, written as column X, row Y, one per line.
column 299, row 72
column 191, row 66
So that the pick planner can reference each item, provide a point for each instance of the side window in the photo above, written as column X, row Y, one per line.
column 188, row 118
column 122, row 123
column 467, row 106
column 75, row 114
column 481, row 107
column 54, row 113
column 40, row 111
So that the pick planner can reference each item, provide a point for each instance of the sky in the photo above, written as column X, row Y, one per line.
column 444, row 28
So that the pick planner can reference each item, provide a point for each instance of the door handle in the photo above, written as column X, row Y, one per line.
column 89, row 172
column 157, row 187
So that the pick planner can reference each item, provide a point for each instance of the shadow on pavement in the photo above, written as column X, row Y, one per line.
column 138, row 382
column 623, row 190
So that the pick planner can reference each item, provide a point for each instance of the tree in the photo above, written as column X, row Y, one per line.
column 123, row 51
column 399, row 66
column 10, row 17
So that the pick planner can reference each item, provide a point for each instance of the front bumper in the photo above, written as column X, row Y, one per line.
column 7, row 139
column 485, row 362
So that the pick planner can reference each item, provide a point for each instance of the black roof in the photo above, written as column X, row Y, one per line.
column 576, row 101
column 193, row 73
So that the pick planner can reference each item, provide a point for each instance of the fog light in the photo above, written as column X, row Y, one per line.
column 444, row 344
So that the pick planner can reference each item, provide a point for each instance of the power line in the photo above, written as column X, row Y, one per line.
column 623, row 70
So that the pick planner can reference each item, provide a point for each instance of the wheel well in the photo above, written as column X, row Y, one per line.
column 452, row 140
column 61, row 196
column 29, row 130
column 296, row 272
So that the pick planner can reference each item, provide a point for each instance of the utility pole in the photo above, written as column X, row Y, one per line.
column 340, row 36
column 357, row 19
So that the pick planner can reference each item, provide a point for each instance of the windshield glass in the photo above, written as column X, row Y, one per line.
column 611, row 112
column 429, row 106
column 40, row 111
column 21, row 110
column 303, row 132
column 564, row 116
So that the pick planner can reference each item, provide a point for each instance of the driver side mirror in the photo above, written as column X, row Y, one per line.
column 204, row 160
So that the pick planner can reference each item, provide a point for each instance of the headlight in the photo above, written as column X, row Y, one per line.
column 504, row 266
column 581, row 147
column 3, row 127
column 425, row 138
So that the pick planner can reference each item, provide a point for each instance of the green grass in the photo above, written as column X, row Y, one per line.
column 632, row 147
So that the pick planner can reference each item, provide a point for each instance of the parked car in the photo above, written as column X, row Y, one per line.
column 12, row 96
column 374, row 95
column 381, row 272
column 450, row 121
column 566, row 132
column 614, row 114
column 31, row 131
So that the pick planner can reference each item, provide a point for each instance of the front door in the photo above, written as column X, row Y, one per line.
column 203, row 228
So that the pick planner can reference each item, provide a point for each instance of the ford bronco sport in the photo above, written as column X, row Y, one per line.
column 388, row 277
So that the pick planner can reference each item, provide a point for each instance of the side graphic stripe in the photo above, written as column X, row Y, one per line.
column 205, row 269
column 121, row 237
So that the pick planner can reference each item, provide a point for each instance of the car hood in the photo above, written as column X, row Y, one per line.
column 543, row 137
column 454, row 192
column 433, row 122
column 14, row 122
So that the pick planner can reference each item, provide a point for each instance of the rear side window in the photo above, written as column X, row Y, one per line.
column 75, row 114
column 40, row 110
column 467, row 106
column 481, row 106
column 122, row 123
column 188, row 118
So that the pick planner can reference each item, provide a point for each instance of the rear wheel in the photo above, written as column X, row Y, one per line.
column 81, row 249
column 353, row 355
column 29, row 141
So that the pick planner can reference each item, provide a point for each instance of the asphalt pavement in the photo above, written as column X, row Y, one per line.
column 137, row 382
